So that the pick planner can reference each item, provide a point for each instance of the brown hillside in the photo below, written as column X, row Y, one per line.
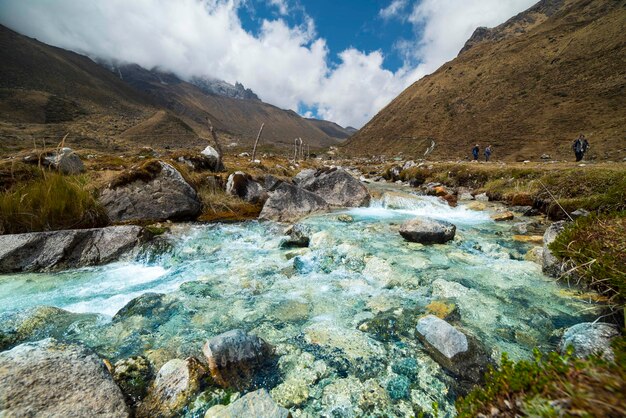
column 528, row 87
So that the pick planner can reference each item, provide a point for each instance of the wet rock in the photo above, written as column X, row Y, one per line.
column 245, row 187
column 530, row 239
column 293, row 392
column 175, row 384
column 453, row 350
column 476, row 206
column 374, row 399
column 482, row 197
column 504, row 216
column 446, row 289
column 166, row 196
column 199, row 289
column 299, row 236
column 65, row 161
column 427, row 231
column 390, row 325
column 287, row 203
column 43, row 251
column 133, row 375
column 551, row 265
column 534, row 255
column 155, row 306
column 257, row 404
column 48, row 378
column 590, row 338
column 443, row 309
column 234, row 357
column 406, row 367
column 341, row 397
column 345, row 218
column 398, row 387
column 41, row 322
column 336, row 186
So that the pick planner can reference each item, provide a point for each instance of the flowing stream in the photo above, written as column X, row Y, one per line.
column 311, row 303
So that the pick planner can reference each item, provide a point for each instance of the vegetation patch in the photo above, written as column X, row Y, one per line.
column 144, row 172
column 51, row 202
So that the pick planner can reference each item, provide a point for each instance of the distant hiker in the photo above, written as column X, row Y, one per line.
column 580, row 147
column 475, row 152
column 487, row 152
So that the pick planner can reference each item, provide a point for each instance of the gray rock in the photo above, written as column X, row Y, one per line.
column 166, row 196
column 235, row 356
column 456, row 352
column 288, row 203
column 482, row 197
column 209, row 151
column 66, row 161
column 245, row 187
column 256, row 404
column 590, row 338
column 426, row 231
column 579, row 213
column 551, row 265
column 336, row 186
column 41, row 251
column 133, row 375
column 48, row 378
column 175, row 384
column 299, row 236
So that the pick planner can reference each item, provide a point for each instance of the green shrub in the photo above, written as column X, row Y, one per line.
column 51, row 202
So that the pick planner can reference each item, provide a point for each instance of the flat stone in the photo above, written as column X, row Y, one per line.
column 427, row 231
column 256, row 404
column 504, row 216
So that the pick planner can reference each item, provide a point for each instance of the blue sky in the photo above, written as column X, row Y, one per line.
column 340, row 60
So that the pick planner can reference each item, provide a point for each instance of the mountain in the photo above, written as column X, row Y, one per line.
column 527, row 87
column 332, row 129
column 47, row 92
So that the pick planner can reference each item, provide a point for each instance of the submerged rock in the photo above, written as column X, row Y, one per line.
column 257, row 404
column 336, row 186
column 427, row 231
column 175, row 384
column 133, row 375
column 42, row 251
column 287, row 203
column 503, row 216
column 551, row 265
column 590, row 338
column 164, row 196
column 155, row 306
column 245, row 187
column 48, row 378
column 234, row 357
column 453, row 350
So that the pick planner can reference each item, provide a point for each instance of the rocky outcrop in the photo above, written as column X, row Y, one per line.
column 245, row 187
column 254, row 404
column 298, row 236
column 461, row 355
column 175, row 384
column 551, row 265
column 166, row 195
column 40, row 251
column 234, row 357
column 288, row 203
column 336, row 186
column 426, row 231
column 48, row 378
column 590, row 338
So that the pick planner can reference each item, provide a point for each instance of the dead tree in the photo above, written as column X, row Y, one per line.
column 297, row 141
column 216, row 142
column 256, row 143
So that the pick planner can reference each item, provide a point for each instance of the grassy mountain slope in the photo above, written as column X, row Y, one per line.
column 527, row 87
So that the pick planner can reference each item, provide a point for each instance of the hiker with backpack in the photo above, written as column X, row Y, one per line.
column 475, row 152
column 487, row 153
column 580, row 147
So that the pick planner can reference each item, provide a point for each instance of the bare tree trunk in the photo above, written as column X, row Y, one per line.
column 256, row 142
column 218, row 147
column 295, row 152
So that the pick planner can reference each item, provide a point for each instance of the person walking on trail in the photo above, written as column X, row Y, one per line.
column 580, row 147
column 475, row 152
column 487, row 152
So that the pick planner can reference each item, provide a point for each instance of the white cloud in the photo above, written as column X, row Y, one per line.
column 393, row 10
column 288, row 66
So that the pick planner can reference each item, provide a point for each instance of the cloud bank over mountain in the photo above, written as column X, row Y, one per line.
column 289, row 65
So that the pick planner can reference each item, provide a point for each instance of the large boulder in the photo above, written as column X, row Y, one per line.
column 426, row 231
column 234, row 357
column 459, row 354
column 161, row 195
column 590, row 338
column 551, row 265
column 212, row 155
column 40, row 251
column 177, row 382
column 336, row 186
column 245, row 187
column 288, row 203
column 256, row 404
column 65, row 161
column 48, row 378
